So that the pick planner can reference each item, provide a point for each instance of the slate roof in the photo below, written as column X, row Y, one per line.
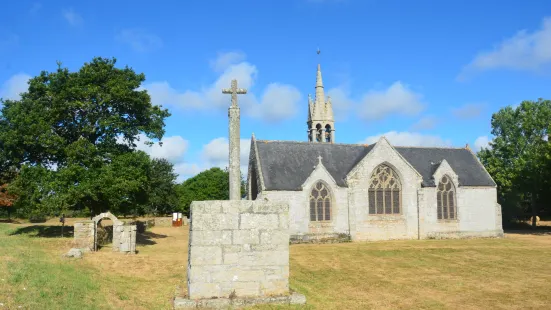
column 287, row 164
column 427, row 159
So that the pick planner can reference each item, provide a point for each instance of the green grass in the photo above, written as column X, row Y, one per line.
column 31, row 278
column 508, row 273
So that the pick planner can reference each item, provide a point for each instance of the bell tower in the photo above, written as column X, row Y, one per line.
column 321, row 122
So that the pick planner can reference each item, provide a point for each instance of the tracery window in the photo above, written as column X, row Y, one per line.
column 384, row 191
column 445, row 199
column 320, row 203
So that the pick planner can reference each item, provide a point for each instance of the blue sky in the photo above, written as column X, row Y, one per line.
column 419, row 72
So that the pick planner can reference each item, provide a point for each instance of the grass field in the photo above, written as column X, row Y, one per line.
column 509, row 273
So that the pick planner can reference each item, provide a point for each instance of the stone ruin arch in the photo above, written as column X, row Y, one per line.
column 124, row 236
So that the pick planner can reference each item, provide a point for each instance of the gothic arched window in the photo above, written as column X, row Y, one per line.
column 320, row 203
column 445, row 199
column 384, row 191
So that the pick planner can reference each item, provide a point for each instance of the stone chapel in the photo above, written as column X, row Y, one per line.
column 372, row 192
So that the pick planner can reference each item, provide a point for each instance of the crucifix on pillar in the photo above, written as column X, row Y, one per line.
column 234, row 91
column 234, row 139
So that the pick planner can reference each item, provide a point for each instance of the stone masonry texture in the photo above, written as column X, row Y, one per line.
column 234, row 160
column 84, row 235
column 124, row 236
column 238, row 248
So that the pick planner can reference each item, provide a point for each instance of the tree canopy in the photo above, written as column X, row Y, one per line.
column 69, row 143
column 212, row 184
column 519, row 158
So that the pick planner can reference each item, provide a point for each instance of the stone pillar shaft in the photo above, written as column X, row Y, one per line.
column 234, row 160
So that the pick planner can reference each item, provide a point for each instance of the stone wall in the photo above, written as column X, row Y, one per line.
column 238, row 249
column 84, row 235
column 124, row 236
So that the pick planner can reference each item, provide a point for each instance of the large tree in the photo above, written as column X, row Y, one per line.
column 163, row 198
column 519, row 157
column 212, row 184
column 72, row 133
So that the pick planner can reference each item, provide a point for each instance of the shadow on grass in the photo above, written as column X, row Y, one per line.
column 45, row 231
column 148, row 238
column 526, row 229
column 9, row 221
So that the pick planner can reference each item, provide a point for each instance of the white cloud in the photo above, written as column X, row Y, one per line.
column 14, row 86
column 409, row 139
column 277, row 102
column 139, row 40
column 427, row 122
column 523, row 51
column 216, row 153
column 397, row 99
column 341, row 101
column 186, row 170
column 72, row 17
column 172, row 149
column 225, row 60
column 468, row 111
column 481, row 142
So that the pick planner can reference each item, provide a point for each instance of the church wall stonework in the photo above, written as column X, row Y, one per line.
column 383, row 227
column 299, row 207
column 478, row 213
column 476, row 210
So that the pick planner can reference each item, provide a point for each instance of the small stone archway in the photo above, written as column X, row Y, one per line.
column 124, row 236
column 116, row 229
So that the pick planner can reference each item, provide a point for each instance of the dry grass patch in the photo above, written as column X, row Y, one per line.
column 508, row 273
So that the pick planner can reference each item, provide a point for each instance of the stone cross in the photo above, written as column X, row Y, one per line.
column 234, row 91
column 234, row 139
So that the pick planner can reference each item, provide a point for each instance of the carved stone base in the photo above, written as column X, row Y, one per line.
column 227, row 303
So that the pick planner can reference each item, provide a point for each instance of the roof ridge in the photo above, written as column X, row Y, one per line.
column 364, row 144
column 307, row 142
column 432, row 147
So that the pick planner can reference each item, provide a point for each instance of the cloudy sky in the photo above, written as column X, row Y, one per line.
column 419, row 72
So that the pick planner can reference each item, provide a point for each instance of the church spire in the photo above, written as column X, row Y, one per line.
column 320, row 94
column 320, row 114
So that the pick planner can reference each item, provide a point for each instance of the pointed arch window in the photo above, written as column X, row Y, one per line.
column 445, row 199
column 385, row 191
column 320, row 203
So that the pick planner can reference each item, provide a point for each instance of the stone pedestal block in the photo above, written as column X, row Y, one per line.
column 238, row 253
